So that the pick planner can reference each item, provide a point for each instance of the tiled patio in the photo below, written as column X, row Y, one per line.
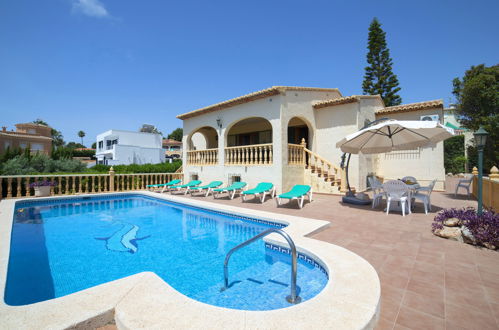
column 427, row 282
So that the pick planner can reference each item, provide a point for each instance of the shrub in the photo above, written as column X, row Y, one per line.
column 136, row 168
column 40, row 163
column 10, row 153
column 485, row 228
column 454, row 159
column 84, row 153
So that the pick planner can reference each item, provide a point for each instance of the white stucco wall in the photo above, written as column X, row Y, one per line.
column 198, row 141
column 299, row 104
column 130, row 138
column 326, row 127
column 126, row 155
column 132, row 148
column 366, row 163
column 425, row 164
column 268, row 108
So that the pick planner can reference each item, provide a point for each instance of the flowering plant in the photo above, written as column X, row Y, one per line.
column 44, row 183
column 484, row 227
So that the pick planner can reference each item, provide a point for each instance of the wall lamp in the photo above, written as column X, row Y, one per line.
column 219, row 122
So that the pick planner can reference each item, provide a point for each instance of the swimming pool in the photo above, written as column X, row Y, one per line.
column 61, row 246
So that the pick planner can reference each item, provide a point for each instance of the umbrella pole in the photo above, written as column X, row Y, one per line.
column 345, row 167
column 346, row 174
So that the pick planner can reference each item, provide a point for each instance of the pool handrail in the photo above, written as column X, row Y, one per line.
column 293, row 298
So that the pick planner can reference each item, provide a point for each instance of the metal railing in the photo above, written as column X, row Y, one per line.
column 293, row 298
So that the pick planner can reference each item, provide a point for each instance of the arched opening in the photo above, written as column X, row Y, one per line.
column 249, row 142
column 203, row 138
column 298, row 130
column 202, row 147
column 249, row 131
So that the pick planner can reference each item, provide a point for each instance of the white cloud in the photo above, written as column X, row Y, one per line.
column 92, row 8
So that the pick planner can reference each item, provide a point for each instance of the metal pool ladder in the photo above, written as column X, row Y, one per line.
column 292, row 298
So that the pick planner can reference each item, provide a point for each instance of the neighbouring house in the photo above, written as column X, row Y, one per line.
column 34, row 136
column 173, row 148
column 117, row 147
column 288, row 135
column 451, row 120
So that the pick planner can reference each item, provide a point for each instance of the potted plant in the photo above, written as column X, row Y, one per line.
column 42, row 188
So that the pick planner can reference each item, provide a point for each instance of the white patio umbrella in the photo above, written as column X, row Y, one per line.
column 393, row 134
column 389, row 135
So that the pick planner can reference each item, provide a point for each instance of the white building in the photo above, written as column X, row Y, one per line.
column 258, row 137
column 116, row 147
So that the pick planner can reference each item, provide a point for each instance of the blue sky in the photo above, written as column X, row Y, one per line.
column 94, row 65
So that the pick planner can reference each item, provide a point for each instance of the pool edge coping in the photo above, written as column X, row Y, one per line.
column 347, row 301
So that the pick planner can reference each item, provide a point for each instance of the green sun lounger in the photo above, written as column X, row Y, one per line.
column 260, row 191
column 298, row 192
column 209, row 187
column 232, row 190
column 192, row 183
column 168, row 184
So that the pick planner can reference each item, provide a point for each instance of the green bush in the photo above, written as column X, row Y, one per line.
column 454, row 159
column 136, row 168
column 40, row 163
column 19, row 163
column 62, row 153
column 84, row 153
column 10, row 153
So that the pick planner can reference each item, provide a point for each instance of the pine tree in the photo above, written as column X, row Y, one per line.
column 379, row 77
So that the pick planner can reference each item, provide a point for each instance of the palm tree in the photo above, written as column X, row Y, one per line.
column 81, row 134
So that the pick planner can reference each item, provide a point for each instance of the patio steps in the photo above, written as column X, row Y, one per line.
column 322, row 182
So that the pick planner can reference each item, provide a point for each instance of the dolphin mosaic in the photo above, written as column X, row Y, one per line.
column 124, row 240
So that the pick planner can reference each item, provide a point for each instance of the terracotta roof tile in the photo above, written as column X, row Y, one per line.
column 25, row 135
column 412, row 107
column 171, row 141
column 342, row 100
column 274, row 90
column 31, row 125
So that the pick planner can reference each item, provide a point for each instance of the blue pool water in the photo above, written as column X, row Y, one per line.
column 60, row 247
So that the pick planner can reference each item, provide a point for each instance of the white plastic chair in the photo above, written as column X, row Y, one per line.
column 465, row 184
column 424, row 194
column 377, row 190
column 397, row 191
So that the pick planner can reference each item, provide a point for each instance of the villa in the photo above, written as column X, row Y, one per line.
column 118, row 147
column 291, row 133
column 37, row 137
column 173, row 148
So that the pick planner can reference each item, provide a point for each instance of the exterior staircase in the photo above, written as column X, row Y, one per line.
column 322, row 175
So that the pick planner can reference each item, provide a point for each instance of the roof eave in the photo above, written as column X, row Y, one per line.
column 274, row 90
column 434, row 104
